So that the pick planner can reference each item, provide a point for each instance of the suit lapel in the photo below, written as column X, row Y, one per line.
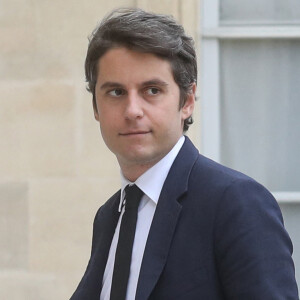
column 165, row 220
column 104, row 228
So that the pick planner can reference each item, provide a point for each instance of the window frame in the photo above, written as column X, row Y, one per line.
column 211, row 33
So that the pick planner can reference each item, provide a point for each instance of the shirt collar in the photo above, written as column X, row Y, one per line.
column 151, row 182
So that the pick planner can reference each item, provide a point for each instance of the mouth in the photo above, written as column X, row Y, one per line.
column 134, row 133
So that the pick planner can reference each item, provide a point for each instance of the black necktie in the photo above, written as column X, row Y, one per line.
column 133, row 197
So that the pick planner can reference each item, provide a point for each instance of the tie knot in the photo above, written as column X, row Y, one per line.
column 133, row 196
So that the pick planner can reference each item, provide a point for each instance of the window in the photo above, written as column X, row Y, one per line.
column 250, row 95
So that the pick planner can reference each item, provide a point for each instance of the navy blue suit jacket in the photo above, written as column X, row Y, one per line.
column 216, row 234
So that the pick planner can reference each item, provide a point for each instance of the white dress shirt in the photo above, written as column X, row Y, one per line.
column 151, row 183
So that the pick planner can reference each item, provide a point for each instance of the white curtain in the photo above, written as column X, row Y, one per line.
column 259, row 11
column 260, row 110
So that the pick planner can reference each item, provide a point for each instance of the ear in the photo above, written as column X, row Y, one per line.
column 96, row 114
column 188, row 108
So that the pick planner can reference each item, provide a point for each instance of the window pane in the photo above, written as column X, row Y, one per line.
column 260, row 110
column 260, row 11
column 291, row 216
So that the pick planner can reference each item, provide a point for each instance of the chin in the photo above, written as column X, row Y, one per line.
column 138, row 157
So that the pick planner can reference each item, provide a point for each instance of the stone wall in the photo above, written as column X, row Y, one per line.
column 55, row 170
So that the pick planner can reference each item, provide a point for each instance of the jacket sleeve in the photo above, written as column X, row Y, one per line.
column 252, row 247
column 81, row 292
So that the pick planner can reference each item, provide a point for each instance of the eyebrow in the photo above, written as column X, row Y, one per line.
column 155, row 81
column 110, row 84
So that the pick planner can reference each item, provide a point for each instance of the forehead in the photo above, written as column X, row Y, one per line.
column 123, row 62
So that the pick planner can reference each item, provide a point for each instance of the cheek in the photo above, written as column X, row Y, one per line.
column 109, row 122
column 105, row 113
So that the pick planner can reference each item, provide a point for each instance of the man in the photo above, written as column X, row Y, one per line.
column 200, row 230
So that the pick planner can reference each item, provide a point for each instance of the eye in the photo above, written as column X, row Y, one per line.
column 116, row 92
column 152, row 91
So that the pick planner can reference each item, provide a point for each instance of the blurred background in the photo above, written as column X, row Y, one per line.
column 55, row 170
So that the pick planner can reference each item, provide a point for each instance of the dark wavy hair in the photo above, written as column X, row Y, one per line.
column 145, row 32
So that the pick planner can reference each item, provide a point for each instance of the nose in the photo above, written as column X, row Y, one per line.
column 133, row 109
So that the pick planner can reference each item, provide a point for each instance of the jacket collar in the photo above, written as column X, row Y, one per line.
column 165, row 220
column 104, row 227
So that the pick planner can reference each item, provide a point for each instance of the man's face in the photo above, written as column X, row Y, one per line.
column 138, row 107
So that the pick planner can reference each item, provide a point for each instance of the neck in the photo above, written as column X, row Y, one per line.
column 133, row 172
